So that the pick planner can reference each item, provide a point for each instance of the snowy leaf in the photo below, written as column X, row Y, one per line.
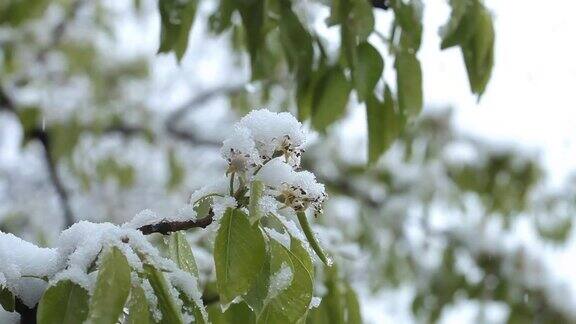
column 166, row 300
column 239, row 252
column 256, row 296
column 112, row 289
column 181, row 253
column 256, row 191
column 63, row 303
column 138, row 309
column 290, row 290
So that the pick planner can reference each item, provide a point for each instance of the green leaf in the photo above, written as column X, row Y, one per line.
column 334, row 299
column 306, row 90
column 384, row 124
column 368, row 70
column 112, row 289
column 256, row 296
column 360, row 18
column 252, row 14
column 352, row 306
column 181, row 253
column 462, row 23
column 409, row 83
column 7, row 300
column 291, row 304
column 330, row 98
column 176, row 18
column 138, row 310
column 470, row 27
column 408, row 16
column 479, row 53
column 296, row 41
column 171, row 313
column 63, row 303
column 307, row 229
column 256, row 191
column 236, row 313
column 239, row 252
column 192, row 307
column 176, row 171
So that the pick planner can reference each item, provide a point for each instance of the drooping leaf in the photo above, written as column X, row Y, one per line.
column 256, row 191
column 171, row 313
column 112, row 289
column 462, row 23
column 291, row 303
column 385, row 123
column 408, row 16
column 297, row 42
column 181, row 253
column 239, row 252
column 360, row 18
column 252, row 14
column 409, row 83
column 330, row 98
column 368, row 70
column 138, row 310
column 334, row 299
column 176, row 19
column 352, row 306
column 479, row 53
column 7, row 300
column 63, row 303
column 470, row 27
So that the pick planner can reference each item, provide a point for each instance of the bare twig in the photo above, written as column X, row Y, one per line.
column 167, row 227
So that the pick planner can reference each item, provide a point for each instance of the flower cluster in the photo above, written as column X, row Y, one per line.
column 261, row 136
column 267, row 146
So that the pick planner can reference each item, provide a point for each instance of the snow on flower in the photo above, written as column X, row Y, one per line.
column 297, row 190
column 275, row 135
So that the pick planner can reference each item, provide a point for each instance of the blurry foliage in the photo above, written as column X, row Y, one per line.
column 469, row 263
column 287, row 54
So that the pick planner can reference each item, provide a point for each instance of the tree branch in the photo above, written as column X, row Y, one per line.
column 43, row 137
column 167, row 227
column 195, row 102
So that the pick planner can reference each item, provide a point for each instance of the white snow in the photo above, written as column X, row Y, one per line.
column 280, row 281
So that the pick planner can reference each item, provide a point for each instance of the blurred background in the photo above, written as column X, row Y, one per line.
column 466, row 218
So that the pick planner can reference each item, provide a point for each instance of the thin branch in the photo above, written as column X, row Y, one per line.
column 167, row 227
column 195, row 102
column 43, row 137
